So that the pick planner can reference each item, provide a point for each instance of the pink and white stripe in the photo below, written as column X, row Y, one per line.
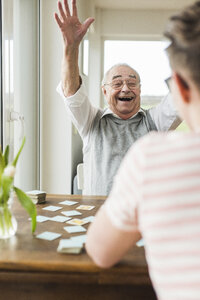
column 157, row 190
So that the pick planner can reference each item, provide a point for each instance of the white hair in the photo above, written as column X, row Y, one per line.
column 117, row 65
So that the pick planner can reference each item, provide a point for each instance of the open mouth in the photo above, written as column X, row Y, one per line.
column 125, row 98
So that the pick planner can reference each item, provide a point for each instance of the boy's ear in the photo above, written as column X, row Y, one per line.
column 183, row 87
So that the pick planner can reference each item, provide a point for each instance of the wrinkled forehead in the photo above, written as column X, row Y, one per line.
column 122, row 72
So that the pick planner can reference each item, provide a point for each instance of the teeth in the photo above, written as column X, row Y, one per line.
column 125, row 99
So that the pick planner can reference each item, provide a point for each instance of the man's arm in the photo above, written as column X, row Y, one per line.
column 165, row 115
column 73, row 32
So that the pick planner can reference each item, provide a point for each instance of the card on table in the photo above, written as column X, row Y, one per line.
column 79, row 238
column 60, row 219
column 52, row 208
column 69, row 246
column 49, row 236
column 70, row 213
column 36, row 193
column 89, row 219
column 140, row 243
column 68, row 202
column 37, row 196
column 85, row 207
column 72, row 229
column 41, row 219
column 76, row 222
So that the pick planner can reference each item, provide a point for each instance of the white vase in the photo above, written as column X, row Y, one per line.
column 8, row 223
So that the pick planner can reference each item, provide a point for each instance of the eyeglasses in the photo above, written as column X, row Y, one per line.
column 118, row 84
column 168, row 82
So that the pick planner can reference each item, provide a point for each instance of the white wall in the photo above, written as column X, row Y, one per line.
column 133, row 24
column 95, row 61
column 60, row 143
column 55, row 130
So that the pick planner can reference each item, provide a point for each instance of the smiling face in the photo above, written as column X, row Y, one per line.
column 124, row 101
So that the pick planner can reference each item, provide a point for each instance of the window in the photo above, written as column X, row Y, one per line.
column 20, row 101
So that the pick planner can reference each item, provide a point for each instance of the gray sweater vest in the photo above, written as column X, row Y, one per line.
column 110, row 139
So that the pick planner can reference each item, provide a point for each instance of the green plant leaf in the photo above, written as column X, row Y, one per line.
column 2, row 163
column 27, row 203
column 6, row 155
column 6, row 183
column 18, row 154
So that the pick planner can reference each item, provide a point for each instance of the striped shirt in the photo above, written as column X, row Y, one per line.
column 157, row 191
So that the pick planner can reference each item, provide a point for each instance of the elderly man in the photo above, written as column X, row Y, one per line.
column 106, row 134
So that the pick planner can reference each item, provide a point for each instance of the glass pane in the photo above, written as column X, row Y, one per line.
column 148, row 58
column 20, row 61
column 7, row 73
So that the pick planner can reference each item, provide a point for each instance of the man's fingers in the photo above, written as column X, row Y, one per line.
column 74, row 9
column 67, row 8
column 58, row 20
column 61, row 11
column 87, row 23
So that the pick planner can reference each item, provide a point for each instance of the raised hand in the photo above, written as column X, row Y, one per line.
column 72, row 30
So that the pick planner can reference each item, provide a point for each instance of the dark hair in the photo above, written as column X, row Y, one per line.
column 183, row 31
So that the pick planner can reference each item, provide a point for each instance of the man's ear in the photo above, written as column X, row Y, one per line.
column 183, row 87
column 104, row 90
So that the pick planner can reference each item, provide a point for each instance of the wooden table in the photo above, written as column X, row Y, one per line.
column 31, row 268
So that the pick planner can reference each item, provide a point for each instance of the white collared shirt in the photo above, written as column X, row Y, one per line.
column 108, row 111
column 82, row 113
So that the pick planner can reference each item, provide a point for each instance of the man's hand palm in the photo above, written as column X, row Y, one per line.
column 72, row 30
